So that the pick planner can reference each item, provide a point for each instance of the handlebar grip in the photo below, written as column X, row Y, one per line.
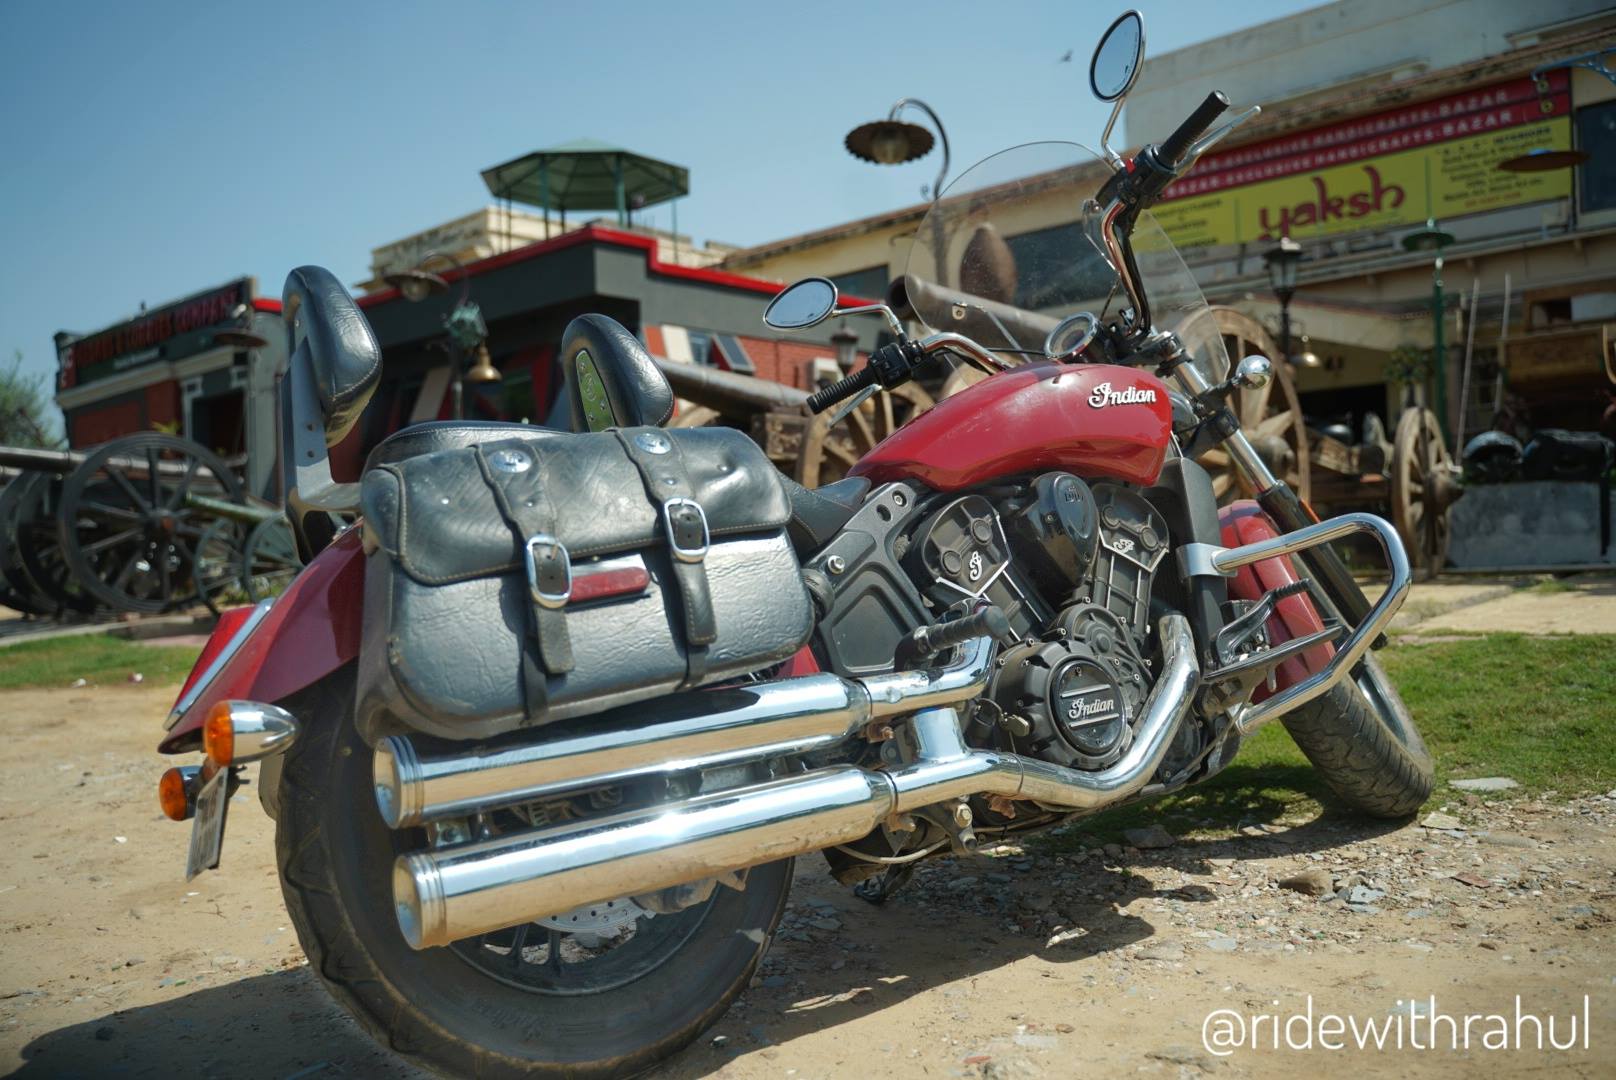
column 821, row 400
column 1172, row 151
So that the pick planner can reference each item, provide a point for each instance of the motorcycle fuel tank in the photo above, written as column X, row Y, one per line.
column 1096, row 420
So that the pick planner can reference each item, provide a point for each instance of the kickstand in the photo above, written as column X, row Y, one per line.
column 875, row 890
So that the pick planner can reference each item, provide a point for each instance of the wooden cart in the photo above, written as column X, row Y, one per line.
column 146, row 523
column 1411, row 476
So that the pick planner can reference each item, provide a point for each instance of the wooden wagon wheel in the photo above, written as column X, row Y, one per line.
column 269, row 559
column 131, row 523
column 218, row 568
column 40, row 552
column 1270, row 417
column 827, row 454
column 694, row 416
column 18, row 590
column 1423, row 487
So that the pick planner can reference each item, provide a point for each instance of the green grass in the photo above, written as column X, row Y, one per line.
column 1541, row 710
column 100, row 659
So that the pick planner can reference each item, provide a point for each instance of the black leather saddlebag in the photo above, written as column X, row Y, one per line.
column 540, row 578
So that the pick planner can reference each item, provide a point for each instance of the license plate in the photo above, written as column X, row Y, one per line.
column 207, row 829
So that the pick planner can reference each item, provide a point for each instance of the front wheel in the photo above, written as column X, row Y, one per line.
column 605, row 991
column 1363, row 741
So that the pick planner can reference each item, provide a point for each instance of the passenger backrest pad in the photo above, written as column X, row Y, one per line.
column 343, row 355
column 611, row 381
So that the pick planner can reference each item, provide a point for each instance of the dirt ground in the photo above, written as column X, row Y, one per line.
column 1099, row 963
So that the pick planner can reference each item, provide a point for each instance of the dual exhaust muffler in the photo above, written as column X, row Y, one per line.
column 447, row 894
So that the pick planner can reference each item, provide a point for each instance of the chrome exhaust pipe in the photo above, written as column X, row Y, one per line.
column 452, row 893
column 946, row 769
column 698, row 730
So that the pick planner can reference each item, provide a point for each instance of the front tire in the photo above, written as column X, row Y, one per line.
column 444, row 1007
column 1363, row 741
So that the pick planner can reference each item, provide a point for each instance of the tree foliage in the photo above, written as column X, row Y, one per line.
column 26, row 409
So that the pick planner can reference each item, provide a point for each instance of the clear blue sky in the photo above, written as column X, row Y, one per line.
column 150, row 149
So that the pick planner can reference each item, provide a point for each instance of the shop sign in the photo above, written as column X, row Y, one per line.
column 168, row 333
column 1436, row 159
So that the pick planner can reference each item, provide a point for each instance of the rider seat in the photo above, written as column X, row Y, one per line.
column 609, row 380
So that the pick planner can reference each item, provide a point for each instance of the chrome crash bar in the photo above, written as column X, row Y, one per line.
column 1201, row 559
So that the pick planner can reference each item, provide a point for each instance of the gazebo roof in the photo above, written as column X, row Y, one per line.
column 586, row 174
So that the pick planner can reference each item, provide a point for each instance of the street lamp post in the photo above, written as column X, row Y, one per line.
column 464, row 325
column 1282, row 260
column 894, row 142
column 1431, row 238
column 846, row 343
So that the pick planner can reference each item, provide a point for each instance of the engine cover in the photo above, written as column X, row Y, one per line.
column 960, row 554
column 1133, row 539
column 1054, row 530
column 1079, row 696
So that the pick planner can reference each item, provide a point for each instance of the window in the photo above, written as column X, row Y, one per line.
column 701, row 347
column 1596, row 135
column 870, row 284
column 1050, row 274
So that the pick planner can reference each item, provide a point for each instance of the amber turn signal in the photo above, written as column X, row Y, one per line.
column 174, row 793
column 219, row 735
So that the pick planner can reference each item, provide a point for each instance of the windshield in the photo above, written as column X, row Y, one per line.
column 1011, row 249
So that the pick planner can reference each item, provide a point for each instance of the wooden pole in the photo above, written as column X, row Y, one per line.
column 1464, row 376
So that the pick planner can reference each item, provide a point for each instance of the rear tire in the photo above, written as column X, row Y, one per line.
column 1363, row 741
column 434, row 1006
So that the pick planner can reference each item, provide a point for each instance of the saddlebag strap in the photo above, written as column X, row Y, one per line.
column 515, row 476
column 685, row 528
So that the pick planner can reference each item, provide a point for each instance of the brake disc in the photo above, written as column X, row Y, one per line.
column 596, row 918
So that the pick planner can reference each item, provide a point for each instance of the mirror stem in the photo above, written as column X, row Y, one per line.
column 1114, row 159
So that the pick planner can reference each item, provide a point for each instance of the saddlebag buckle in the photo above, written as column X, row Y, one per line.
column 549, row 571
column 686, row 525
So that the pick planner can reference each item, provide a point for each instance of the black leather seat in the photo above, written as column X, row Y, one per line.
column 609, row 381
column 817, row 515
column 434, row 435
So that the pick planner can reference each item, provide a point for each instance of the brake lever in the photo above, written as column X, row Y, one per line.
column 1211, row 138
column 852, row 403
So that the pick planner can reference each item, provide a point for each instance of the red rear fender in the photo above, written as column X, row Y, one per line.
column 309, row 632
column 1245, row 523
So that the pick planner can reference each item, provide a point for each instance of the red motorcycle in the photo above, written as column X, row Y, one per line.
column 540, row 732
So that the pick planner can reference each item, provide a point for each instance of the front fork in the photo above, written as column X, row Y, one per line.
column 1288, row 511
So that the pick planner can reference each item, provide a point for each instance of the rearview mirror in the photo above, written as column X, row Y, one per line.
column 802, row 305
column 1116, row 59
column 1254, row 372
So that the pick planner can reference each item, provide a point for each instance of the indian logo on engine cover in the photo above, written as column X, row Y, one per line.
column 1103, row 395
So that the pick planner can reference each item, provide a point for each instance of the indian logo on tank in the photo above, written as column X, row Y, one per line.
column 1103, row 395
column 974, row 566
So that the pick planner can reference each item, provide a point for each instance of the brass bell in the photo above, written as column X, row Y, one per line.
column 483, row 370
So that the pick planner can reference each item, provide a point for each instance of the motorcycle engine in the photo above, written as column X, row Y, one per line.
column 1071, row 565
column 1072, row 693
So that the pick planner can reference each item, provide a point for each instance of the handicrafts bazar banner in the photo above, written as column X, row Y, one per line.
column 1436, row 159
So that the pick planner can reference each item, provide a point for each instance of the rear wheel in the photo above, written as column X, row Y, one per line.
column 607, row 990
column 1363, row 741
